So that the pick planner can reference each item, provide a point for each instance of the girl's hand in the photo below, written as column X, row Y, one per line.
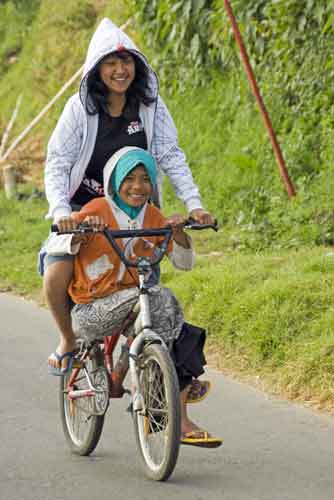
column 69, row 224
column 95, row 221
column 177, row 221
column 66, row 224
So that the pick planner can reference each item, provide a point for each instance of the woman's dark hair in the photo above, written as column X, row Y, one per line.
column 139, row 90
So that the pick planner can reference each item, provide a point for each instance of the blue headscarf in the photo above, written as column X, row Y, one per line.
column 123, row 167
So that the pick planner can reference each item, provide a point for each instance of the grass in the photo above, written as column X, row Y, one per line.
column 22, row 229
column 270, row 314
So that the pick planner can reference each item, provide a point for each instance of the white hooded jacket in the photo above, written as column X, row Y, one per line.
column 72, row 142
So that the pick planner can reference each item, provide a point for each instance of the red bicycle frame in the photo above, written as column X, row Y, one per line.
column 109, row 345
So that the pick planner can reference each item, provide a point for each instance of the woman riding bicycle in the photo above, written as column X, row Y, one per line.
column 104, row 291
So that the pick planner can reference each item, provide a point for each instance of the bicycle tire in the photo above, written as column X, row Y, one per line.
column 159, row 387
column 81, row 445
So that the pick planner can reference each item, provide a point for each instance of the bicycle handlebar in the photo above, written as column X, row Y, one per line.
column 135, row 233
column 112, row 234
column 84, row 228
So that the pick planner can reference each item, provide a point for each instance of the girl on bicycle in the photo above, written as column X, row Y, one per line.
column 104, row 291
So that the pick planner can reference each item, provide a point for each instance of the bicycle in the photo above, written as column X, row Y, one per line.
column 85, row 392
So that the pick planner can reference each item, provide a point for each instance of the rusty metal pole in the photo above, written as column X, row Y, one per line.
column 264, row 113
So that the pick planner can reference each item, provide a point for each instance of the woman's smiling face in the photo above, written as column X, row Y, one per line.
column 136, row 188
column 117, row 71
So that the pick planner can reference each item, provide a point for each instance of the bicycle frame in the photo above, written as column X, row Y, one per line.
column 109, row 344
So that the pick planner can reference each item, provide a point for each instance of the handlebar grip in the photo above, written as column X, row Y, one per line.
column 82, row 228
column 197, row 226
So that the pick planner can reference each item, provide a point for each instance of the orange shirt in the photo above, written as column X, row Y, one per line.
column 98, row 271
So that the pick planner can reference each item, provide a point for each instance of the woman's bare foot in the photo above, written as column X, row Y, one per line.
column 191, row 434
column 63, row 347
column 188, row 426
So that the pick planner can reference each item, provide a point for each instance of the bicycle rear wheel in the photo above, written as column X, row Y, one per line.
column 158, row 427
column 82, row 420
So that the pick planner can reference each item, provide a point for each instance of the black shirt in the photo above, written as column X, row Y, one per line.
column 113, row 134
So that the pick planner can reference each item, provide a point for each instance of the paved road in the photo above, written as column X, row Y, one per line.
column 273, row 450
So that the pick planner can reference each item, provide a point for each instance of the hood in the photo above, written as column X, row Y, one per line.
column 106, row 39
column 109, row 167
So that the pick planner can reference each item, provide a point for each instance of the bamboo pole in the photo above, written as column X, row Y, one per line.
column 42, row 113
column 8, row 171
column 263, row 111
column 10, row 126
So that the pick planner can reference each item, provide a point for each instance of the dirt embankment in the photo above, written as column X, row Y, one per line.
column 28, row 160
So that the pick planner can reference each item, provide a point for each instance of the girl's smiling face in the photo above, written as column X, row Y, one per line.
column 117, row 71
column 136, row 188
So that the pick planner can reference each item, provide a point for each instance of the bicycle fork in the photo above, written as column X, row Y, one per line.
column 143, row 325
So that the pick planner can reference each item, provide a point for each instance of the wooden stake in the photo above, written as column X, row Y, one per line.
column 9, row 177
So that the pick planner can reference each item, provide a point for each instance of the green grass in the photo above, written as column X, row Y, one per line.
column 271, row 314
column 22, row 229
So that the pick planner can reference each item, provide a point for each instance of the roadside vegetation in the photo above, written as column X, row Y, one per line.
column 263, row 286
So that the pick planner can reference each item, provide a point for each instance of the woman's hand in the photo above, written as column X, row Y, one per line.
column 202, row 216
column 177, row 222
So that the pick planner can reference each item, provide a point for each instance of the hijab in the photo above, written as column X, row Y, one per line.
column 123, row 167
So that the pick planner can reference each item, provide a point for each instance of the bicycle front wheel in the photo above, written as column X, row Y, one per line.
column 158, row 426
column 82, row 423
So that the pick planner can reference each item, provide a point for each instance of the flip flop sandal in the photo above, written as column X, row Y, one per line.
column 201, row 439
column 58, row 371
column 198, row 391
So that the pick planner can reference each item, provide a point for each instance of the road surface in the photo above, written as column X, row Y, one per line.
column 273, row 450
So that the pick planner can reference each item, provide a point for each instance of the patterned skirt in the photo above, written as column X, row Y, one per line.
column 100, row 317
